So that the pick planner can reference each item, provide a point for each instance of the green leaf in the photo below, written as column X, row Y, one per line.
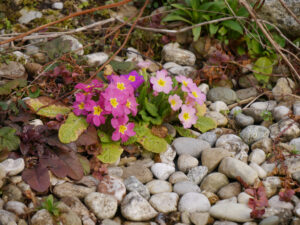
column 184, row 132
column 8, row 139
column 72, row 128
column 50, row 111
column 213, row 29
column 175, row 17
column 149, row 141
column 111, row 152
column 242, row 12
column 3, row 105
column 6, row 89
column 205, row 124
column 233, row 25
column 34, row 94
column 104, row 137
column 196, row 33
column 182, row 7
column 122, row 67
column 263, row 65
column 151, row 108
column 222, row 31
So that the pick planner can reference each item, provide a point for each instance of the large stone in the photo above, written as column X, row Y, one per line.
column 76, row 206
column 133, row 184
column 254, row 133
column 193, row 202
column 142, row 173
column 226, row 95
column 13, row 166
column 42, row 217
column 164, row 202
column 196, row 174
column 104, row 206
column 286, row 128
column 96, row 59
column 232, row 143
column 134, row 207
column 19, row 208
column 231, row 211
column 212, row 157
column 219, row 118
column 112, row 186
column 213, row 182
column 172, row 53
column 159, row 186
column 176, row 69
column 230, row 190
column 295, row 143
column 73, row 190
column 190, row 146
column 234, row 168
column 184, row 187
column 283, row 88
column 162, row 170
column 186, row 162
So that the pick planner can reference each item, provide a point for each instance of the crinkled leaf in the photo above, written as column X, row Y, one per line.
column 37, row 177
column 263, row 66
column 185, row 132
column 8, row 139
column 50, row 111
column 53, row 163
column 205, row 124
column 111, row 152
column 6, row 89
column 72, row 128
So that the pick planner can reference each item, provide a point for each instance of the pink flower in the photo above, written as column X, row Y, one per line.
column 131, row 106
column 123, row 130
column 189, row 101
column 144, row 64
column 114, row 102
column 79, row 105
column 195, row 93
column 89, row 87
column 134, row 78
column 122, row 85
column 96, row 116
column 175, row 102
column 187, row 116
column 161, row 82
column 184, row 81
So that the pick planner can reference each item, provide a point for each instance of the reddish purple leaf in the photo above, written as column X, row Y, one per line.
column 37, row 177
column 286, row 195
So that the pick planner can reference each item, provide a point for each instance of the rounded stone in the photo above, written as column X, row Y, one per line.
column 226, row 95
column 280, row 112
column 244, row 120
column 190, row 146
column 184, row 187
column 164, row 202
column 218, row 106
column 186, row 162
column 69, row 189
column 159, row 186
column 133, row 184
column 193, row 202
column 213, row 182
column 257, row 156
column 162, row 171
column 196, row 174
column 112, row 186
column 254, row 133
column 177, row 176
column 230, row 190
column 212, row 157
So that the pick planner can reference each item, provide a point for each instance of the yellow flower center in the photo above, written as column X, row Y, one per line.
column 194, row 93
column 161, row 82
column 185, row 83
column 121, row 86
column 128, row 104
column 186, row 116
column 173, row 102
column 131, row 78
column 97, row 110
column 114, row 102
column 81, row 105
column 122, row 129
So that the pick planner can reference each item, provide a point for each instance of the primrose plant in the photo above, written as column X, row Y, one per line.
column 126, row 100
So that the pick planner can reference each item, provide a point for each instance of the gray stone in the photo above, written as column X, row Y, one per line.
column 142, row 173
column 280, row 112
column 209, row 137
column 193, row 202
column 133, row 55
column 102, row 205
column 12, row 70
column 172, row 53
column 263, row 106
column 177, row 176
column 265, row 144
column 260, row 171
column 257, row 156
column 248, row 81
column 42, row 217
column 243, row 198
column 212, row 157
column 58, row 5
column 190, row 146
column 196, row 174
column 13, row 166
column 213, row 182
column 271, row 220
column 295, row 143
column 159, row 186
column 162, row 171
column 226, row 95
column 11, row 192
column 234, row 168
column 232, row 143
column 199, row 218
column 175, row 69
column 204, row 88
column 69, row 189
column 186, row 162
column 96, row 59
column 230, row 190
column 134, row 207
column 67, row 216
column 133, row 184
column 19, row 208
column 254, row 133
column 275, row 202
column 246, row 93
column 231, row 211
column 284, row 86
column 219, row 118
column 184, row 187
column 235, row 111
column 296, row 108
column 243, row 120
column 218, row 106
column 28, row 15
column 287, row 128
column 168, row 156
column 164, row 202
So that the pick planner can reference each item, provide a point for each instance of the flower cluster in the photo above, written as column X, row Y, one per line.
column 97, row 101
column 192, row 95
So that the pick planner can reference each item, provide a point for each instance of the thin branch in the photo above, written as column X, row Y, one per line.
column 289, row 11
column 268, row 36
column 65, row 18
